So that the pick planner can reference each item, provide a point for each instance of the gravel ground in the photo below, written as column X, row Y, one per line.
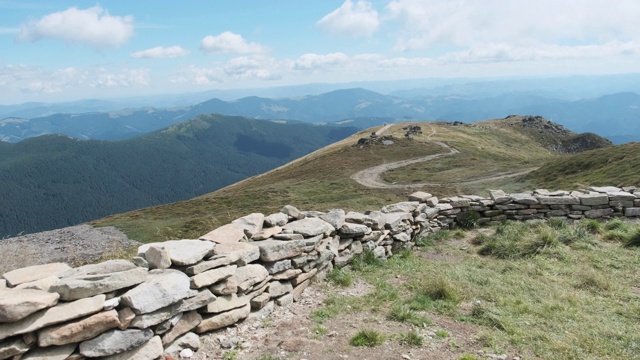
column 75, row 245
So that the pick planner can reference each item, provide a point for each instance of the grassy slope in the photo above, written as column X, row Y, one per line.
column 321, row 180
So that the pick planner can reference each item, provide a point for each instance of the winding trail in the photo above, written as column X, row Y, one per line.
column 372, row 177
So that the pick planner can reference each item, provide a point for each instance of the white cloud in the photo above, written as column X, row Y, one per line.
column 160, row 52
column 228, row 42
column 317, row 61
column 93, row 26
column 125, row 78
column 252, row 67
column 6, row 30
column 425, row 24
column 357, row 20
column 197, row 75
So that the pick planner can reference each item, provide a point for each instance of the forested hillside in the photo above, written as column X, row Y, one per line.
column 54, row 181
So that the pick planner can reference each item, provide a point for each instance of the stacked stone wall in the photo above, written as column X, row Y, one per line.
column 159, row 302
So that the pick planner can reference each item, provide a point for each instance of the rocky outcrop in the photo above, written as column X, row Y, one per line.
column 181, row 288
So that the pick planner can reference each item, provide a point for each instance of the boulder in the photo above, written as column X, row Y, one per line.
column 251, row 223
column 33, row 273
column 50, row 353
column 260, row 301
column 157, row 257
column 499, row 196
column 278, row 288
column 51, row 316
column 105, row 267
column 80, row 330
column 278, row 219
column 16, row 304
column 309, row 227
column 594, row 199
column 212, row 276
column 115, row 342
column 73, row 288
column 150, row 350
column 225, row 234
column 182, row 252
column 162, row 288
column 335, row 217
column 187, row 322
column 293, row 212
column 224, row 319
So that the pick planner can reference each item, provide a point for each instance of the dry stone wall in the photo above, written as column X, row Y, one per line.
column 159, row 302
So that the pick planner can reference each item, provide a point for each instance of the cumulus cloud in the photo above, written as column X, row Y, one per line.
column 252, row 67
column 229, row 42
column 160, row 52
column 358, row 19
column 318, row 61
column 93, row 26
column 197, row 75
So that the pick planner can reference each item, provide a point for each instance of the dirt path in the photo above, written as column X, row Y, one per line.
column 372, row 177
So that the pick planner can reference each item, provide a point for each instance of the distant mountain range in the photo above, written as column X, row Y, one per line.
column 54, row 181
column 615, row 116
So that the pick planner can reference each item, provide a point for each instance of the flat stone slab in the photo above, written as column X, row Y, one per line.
column 161, row 289
column 114, row 342
column 558, row 200
column 242, row 253
column 105, row 267
column 605, row 189
column 594, row 199
column 210, row 277
column 51, row 316
column 225, row 319
column 405, row 206
column 226, row 303
column 187, row 322
column 266, row 233
column 277, row 219
column 50, row 353
column 335, row 217
column 13, row 347
column 251, row 223
column 225, row 234
column 420, row 196
column 524, row 198
column 309, row 227
column 80, row 330
column 274, row 250
column 203, row 297
column 16, row 304
column 354, row 230
column 73, row 288
column 33, row 273
column 182, row 252
column 150, row 350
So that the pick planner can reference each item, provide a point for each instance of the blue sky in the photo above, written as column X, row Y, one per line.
column 66, row 50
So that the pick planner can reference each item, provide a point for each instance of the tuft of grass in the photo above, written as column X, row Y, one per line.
column 403, row 313
column 467, row 357
column 557, row 223
column 365, row 261
column 633, row 239
column 442, row 334
column 433, row 238
column 366, row 337
column 519, row 240
column 616, row 224
column 230, row 355
column 468, row 220
column 619, row 235
column 412, row 338
column 593, row 226
column 340, row 277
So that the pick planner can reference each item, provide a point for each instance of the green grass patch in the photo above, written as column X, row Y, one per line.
column 411, row 338
column 369, row 338
column 404, row 313
column 340, row 277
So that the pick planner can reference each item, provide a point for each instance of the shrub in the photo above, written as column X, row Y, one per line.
column 593, row 226
column 368, row 338
column 368, row 258
column 633, row 240
column 616, row 224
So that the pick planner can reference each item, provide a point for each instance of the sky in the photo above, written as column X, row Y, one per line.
column 67, row 50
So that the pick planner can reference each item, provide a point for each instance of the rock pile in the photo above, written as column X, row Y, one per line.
column 159, row 302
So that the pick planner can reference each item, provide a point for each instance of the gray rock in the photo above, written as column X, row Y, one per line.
column 335, row 217
column 188, row 322
column 287, row 274
column 499, row 196
column 16, row 304
column 278, row 219
column 274, row 250
column 278, row 266
column 225, row 303
column 605, row 189
column 219, row 321
column 156, row 317
column 298, row 290
column 458, row 202
column 420, row 196
column 288, row 236
column 111, row 303
column 203, row 298
column 72, row 288
column 12, row 347
column 266, row 233
column 309, row 227
column 182, row 252
column 140, row 262
column 212, row 276
column 247, row 276
column 598, row 213
column 394, row 220
column 278, row 288
column 594, row 199
column 632, row 211
column 524, row 198
column 105, row 267
column 80, row 330
column 241, row 253
column 157, row 257
column 558, row 200
column 114, row 342
column 225, row 234
column 284, row 300
column 3, row 284
column 251, row 223
column 405, row 206
column 621, row 196
column 42, row 284
column 57, row 314
column 354, row 230
column 260, row 301
column 187, row 341
column 150, row 350
column 162, row 288
column 33, row 273
column 125, row 316
column 293, row 212
column 50, row 353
